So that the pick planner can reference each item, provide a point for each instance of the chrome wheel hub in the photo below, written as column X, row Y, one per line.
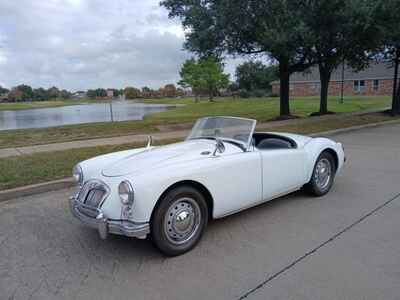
column 182, row 220
column 323, row 173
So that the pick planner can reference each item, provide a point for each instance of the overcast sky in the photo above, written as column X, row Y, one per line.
column 81, row 44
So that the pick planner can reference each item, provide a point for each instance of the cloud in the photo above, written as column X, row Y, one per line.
column 80, row 44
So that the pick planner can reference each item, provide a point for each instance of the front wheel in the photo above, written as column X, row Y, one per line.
column 323, row 175
column 179, row 220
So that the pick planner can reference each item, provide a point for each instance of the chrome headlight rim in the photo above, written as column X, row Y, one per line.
column 77, row 174
column 126, row 193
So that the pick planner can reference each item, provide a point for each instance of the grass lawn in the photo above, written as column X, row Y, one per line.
column 41, row 167
column 25, row 137
column 262, row 109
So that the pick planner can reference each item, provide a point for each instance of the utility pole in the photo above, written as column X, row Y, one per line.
column 111, row 112
column 395, row 101
column 342, row 87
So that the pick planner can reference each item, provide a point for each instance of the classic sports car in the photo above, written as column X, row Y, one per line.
column 170, row 192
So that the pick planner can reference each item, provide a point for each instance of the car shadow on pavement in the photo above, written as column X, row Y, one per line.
column 121, row 246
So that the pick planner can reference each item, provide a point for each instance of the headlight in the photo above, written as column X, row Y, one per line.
column 125, row 192
column 77, row 174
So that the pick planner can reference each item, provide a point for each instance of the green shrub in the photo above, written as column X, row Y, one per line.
column 244, row 94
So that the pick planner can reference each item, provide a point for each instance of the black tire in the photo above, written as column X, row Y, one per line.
column 317, row 187
column 179, row 220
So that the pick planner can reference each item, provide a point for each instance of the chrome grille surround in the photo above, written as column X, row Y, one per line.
column 93, row 193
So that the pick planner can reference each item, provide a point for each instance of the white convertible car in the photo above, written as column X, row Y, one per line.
column 171, row 192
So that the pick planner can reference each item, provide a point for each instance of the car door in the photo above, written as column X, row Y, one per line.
column 234, row 181
column 283, row 170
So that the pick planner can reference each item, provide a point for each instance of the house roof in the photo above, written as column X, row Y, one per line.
column 381, row 70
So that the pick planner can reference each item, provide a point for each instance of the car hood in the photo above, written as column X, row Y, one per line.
column 158, row 157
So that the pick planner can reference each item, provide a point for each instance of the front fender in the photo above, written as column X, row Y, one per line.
column 233, row 181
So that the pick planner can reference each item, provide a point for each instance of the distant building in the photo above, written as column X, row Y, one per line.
column 375, row 80
column 110, row 93
column 79, row 95
column 4, row 98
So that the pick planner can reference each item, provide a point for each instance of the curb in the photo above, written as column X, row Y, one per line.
column 36, row 189
column 353, row 128
column 69, row 182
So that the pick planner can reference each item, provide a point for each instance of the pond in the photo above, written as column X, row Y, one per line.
column 77, row 114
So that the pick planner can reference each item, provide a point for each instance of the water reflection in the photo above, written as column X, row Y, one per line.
column 76, row 114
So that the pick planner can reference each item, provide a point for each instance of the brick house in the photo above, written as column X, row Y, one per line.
column 375, row 80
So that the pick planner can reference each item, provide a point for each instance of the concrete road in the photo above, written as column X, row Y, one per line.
column 341, row 246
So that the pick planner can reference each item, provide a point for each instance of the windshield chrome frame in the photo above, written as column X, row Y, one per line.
column 246, row 146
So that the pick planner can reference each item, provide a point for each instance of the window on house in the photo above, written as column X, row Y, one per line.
column 359, row 86
column 356, row 85
column 375, row 85
column 362, row 85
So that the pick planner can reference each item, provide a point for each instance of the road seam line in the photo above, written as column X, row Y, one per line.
column 19, row 152
column 314, row 250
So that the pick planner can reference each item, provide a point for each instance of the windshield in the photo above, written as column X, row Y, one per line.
column 225, row 128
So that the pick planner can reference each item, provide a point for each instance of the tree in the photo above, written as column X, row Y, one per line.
column 64, row 94
column 190, row 76
column 147, row 92
column 132, row 93
column 101, row 93
column 25, row 93
column 40, row 94
column 169, row 90
column 204, row 74
column 15, row 95
column 387, row 14
column 244, row 27
column 53, row 92
column 3, row 90
column 254, row 75
column 340, row 32
column 91, row 93
column 97, row 93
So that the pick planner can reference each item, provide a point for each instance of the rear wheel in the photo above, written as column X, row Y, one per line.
column 323, row 175
column 179, row 220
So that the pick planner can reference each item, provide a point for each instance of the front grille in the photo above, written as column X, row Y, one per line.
column 88, row 210
column 94, row 197
column 93, row 193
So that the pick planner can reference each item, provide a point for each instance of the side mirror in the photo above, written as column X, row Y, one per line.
column 219, row 147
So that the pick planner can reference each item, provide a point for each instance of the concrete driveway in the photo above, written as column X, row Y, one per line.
column 341, row 246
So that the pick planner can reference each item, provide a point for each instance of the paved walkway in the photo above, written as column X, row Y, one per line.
column 344, row 245
column 174, row 134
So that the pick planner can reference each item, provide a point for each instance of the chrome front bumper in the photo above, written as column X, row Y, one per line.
column 95, row 218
